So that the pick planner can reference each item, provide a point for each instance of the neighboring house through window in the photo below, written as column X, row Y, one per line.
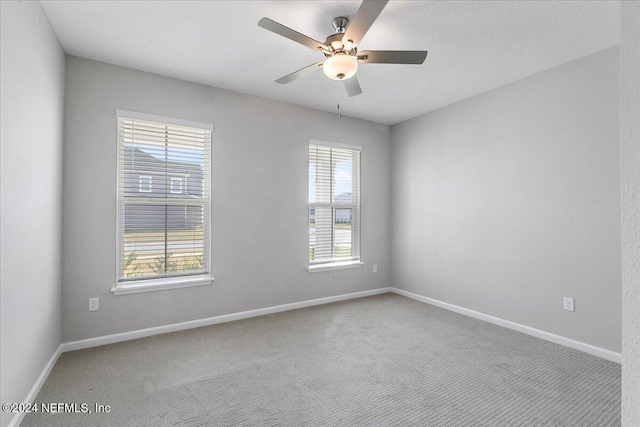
column 334, row 205
column 163, row 223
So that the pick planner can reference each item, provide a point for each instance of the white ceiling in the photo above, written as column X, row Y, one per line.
column 474, row 46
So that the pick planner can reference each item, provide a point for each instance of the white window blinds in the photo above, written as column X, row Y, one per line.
column 334, row 204
column 164, row 175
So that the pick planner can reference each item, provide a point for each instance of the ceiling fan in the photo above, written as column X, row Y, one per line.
column 341, row 49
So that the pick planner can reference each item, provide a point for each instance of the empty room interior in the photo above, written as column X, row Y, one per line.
column 300, row 213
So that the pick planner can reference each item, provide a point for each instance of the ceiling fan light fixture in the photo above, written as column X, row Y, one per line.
column 348, row 45
column 340, row 67
column 336, row 45
column 341, row 48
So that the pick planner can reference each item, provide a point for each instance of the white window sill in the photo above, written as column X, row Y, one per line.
column 161, row 284
column 334, row 266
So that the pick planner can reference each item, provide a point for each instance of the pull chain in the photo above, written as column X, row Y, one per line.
column 339, row 98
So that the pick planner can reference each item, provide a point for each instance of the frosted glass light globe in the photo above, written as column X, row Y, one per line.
column 340, row 66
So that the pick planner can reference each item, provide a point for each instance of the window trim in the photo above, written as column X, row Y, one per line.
column 172, row 282
column 338, row 264
column 150, row 285
column 335, row 145
column 163, row 119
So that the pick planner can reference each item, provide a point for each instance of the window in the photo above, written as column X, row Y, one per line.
column 163, row 228
column 176, row 185
column 144, row 184
column 334, row 205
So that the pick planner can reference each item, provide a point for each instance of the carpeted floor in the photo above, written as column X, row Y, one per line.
column 379, row 361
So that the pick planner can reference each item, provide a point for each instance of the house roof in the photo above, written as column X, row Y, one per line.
column 145, row 162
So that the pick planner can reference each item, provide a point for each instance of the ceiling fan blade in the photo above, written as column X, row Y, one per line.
column 392, row 56
column 363, row 19
column 300, row 73
column 287, row 32
column 352, row 86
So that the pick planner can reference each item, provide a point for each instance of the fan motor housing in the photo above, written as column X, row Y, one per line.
column 334, row 42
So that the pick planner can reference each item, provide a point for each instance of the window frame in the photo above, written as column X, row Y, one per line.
column 171, row 180
column 175, row 280
column 354, row 261
column 150, row 178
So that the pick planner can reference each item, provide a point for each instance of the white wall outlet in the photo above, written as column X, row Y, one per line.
column 94, row 304
column 375, row 268
column 568, row 304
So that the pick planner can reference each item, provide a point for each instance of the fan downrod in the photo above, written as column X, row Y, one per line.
column 340, row 24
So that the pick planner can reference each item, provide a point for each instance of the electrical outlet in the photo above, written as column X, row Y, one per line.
column 375, row 268
column 568, row 304
column 94, row 304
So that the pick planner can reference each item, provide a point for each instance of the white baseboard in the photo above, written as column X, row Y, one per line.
column 18, row 417
column 557, row 339
column 142, row 333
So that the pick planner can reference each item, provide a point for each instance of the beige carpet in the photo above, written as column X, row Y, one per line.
column 379, row 361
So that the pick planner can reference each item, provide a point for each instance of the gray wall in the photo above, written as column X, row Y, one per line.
column 32, row 107
column 508, row 201
column 259, row 163
column 630, row 179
